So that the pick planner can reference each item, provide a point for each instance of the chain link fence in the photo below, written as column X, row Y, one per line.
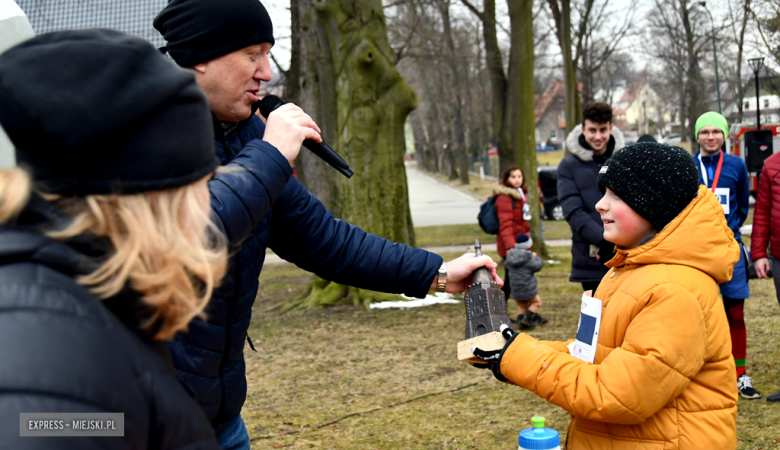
column 130, row 16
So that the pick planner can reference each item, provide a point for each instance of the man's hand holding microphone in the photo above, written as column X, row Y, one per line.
column 287, row 127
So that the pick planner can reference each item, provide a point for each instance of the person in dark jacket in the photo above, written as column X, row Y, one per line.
column 727, row 177
column 117, row 252
column 589, row 146
column 259, row 205
column 521, row 265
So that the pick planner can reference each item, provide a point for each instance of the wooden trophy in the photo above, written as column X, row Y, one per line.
column 485, row 312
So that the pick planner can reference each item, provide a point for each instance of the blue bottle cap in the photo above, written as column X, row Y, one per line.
column 538, row 437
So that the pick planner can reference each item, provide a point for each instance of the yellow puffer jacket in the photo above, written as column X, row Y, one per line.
column 663, row 376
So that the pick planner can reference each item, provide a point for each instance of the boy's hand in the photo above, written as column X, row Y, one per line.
column 492, row 358
column 533, row 254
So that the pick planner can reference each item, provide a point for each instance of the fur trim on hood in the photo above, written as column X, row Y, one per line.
column 574, row 147
column 500, row 189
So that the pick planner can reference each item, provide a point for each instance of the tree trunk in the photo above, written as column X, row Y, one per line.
column 522, row 95
column 573, row 105
column 695, row 82
column 499, row 87
column 740, row 85
column 459, row 145
column 562, row 17
column 350, row 86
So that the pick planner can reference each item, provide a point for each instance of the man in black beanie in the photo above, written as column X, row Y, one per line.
column 259, row 205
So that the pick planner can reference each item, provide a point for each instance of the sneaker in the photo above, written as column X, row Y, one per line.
column 526, row 321
column 539, row 320
column 745, row 386
column 774, row 397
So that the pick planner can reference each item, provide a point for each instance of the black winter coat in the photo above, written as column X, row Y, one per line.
column 261, row 207
column 63, row 350
column 578, row 193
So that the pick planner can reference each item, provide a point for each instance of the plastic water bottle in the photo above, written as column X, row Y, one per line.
column 539, row 437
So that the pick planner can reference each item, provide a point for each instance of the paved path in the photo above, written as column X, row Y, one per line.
column 273, row 259
column 435, row 202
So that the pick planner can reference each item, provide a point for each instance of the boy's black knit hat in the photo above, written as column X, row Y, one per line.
column 102, row 112
column 656, row 180
column 197, row 31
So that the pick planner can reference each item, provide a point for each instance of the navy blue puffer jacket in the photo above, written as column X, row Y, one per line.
column 259, row 206
column 578, row 193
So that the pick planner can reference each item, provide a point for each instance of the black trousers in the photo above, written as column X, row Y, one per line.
column 590, row 285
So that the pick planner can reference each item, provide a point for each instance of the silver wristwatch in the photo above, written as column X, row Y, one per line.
column 441, row 280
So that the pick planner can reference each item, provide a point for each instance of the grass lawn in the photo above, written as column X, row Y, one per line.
column 348, row 378
column 549, row 158
column 465, row 234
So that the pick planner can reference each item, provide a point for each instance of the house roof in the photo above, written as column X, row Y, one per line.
column 627, row 99
column 543, row 101
column 750, row 93
column 133, row 17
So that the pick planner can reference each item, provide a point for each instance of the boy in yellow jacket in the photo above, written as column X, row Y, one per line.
column 660, row 375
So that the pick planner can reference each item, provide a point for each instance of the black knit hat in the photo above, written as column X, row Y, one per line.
column 100, row 112
column 201, row 30
column 656, row 180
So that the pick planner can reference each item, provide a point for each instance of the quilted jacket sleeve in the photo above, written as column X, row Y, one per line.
column 243, row 192
column 759, row 239
column 570, row 199
column 305, row 233
column 535, row 264
column 664, row 346
column 506, row 226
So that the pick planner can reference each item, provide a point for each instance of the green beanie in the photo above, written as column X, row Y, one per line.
column 714, row 119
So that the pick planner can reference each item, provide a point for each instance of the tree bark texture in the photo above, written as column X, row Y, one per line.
column 361, row 103
column 521, row 73
column 351, row 88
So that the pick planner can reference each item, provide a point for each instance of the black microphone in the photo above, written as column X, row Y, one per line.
column 323, row 150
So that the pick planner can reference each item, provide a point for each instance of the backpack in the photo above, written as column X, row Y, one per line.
column 487, row 217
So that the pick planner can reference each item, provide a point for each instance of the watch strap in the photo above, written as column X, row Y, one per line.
column 441, row 280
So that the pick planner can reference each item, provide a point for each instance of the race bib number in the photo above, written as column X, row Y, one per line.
column 722, row 194
column 584, row 347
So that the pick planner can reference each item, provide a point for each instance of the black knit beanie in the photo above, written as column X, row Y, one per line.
column 200, row 30
column 656, row 180
column 101, row 112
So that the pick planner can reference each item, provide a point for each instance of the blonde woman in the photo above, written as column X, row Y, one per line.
column 106, row 246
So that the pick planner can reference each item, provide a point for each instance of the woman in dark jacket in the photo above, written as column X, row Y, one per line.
column 106, row 246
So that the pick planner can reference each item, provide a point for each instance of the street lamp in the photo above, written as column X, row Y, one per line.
column 756, row 64
column 714, row 53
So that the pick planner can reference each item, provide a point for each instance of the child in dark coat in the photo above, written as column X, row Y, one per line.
column 521, row 265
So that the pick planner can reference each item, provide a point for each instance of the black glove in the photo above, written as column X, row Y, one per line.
column 606, row 251
column 493, row 357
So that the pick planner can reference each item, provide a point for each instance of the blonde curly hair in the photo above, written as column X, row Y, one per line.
column 165, row 247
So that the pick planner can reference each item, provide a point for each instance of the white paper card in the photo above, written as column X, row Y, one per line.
column 587, row 341
column 722, row 194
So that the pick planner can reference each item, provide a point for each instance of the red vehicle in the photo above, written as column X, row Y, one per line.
column 735, row 144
